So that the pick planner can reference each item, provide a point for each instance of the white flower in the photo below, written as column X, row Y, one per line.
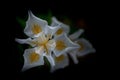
column 32, row 58
column 85, row 46
column 62, row 41
column 44, row 41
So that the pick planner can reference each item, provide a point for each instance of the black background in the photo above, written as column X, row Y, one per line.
column 75, row 10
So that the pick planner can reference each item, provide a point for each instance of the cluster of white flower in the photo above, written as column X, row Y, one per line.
column 53, row 42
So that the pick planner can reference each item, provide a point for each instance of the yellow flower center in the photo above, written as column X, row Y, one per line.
column 59, row 58
column 59, row 31
column 60, row 45
column 36, row 29
column 43, row 41
column 34, row 57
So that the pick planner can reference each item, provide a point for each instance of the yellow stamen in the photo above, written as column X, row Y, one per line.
column 60, row 58
column 34, row 57
column 49, row 36
column 60, row 45
column 59, row 31
column 36, row 29
column 43, row 42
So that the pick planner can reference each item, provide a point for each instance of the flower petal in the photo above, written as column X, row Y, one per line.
column 23, row 41
column 26, row 41
column 64, row 28
column 50, row 31
column 34, row 25
column 86, row 47
column 63, row 45
column 73, row 55
column 60, row 62
column 32, row 58
column 55, row 22
column 76, row 35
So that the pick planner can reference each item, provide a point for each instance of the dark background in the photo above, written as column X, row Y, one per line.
column 75, row 11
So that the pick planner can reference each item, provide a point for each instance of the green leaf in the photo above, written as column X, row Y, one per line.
column 46, row 61
column 21, row 22
column 46, row 17
column 49, row 17
column 21, row 50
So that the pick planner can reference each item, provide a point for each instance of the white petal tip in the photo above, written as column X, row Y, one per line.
column 54, row 18
column 30, row 14
column 94, row 50
column 19, row 40
column 75, row 62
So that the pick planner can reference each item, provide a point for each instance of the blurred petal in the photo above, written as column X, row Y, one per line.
column 64, row 28
column 76, row 35
column 26, row 41
column 60, row 62
column 23, row 41
column 50, row 31
column 34, row 25
column 55, row 22
column 64, row 44
column 73, row 56
column 32, row 58
column 86, row 47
